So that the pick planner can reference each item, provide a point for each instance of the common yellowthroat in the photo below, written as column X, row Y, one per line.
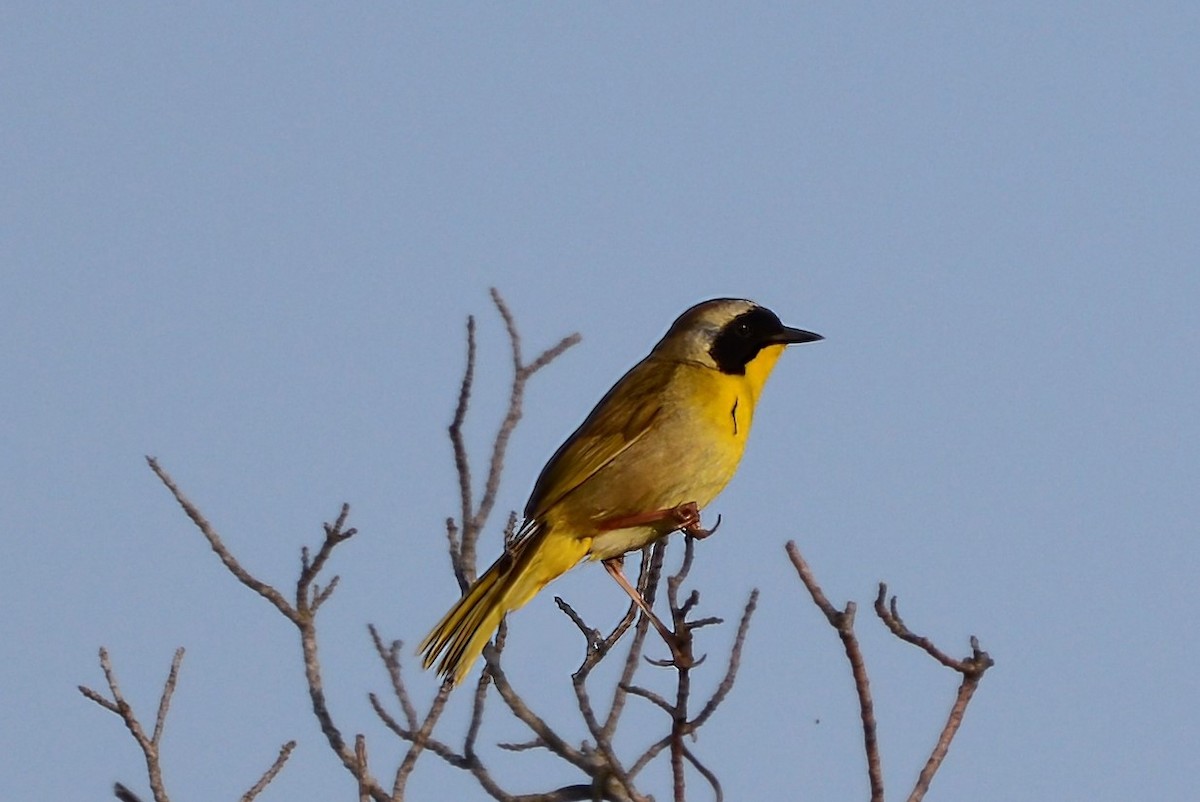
column 659, row 446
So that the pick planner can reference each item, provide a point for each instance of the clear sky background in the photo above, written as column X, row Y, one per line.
column 245, row 238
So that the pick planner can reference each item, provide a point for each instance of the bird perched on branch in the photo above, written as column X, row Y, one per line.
column 660, row 445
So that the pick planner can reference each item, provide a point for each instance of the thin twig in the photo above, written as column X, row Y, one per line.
column 532, row 720
column 464, row 557
column 651, row 752
column 735, row 661
column 360, row 758
column 473, row 518
column 511, row 417
column 164, row 701
column 890, row 615
column 521, row 374
column 455, row 547
column 285, row 752
column 683, row 690
column 683, row 661
column 706, row 773
column 118, row 705
column 218, row 546
column 124, row 794
column 320, row 708
column 650, row 696
column 965, row 691
column 390, row 655
column 308, row 599
column 481, row 687
column 972, row 669
column 420, row 738
column 442, row 750
column 843, row 622
column 335, row 533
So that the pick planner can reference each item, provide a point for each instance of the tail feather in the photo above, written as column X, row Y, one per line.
column 512, row 581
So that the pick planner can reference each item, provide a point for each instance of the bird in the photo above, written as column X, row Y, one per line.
column 657, row 449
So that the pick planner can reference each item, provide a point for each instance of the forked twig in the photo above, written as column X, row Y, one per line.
column 462, row 537
column 972, row 669
column 472, row 519
column 683, row 662
column 149, row 744
column 309, row 597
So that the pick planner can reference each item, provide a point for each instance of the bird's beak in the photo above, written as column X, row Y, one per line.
column 790, row 336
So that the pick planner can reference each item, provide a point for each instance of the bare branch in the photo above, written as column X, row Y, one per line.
column 124, row 794
column 320, row 708
column 149, row 744
column 651, row 752
column 965, row 691
column 521, row 375
column 890, row 615
column 972, row 669
column 473, row 519
column 591, row 635
column 214, row 541
column 419, row 740
column 706, row 773
column 650, row 696
column 285, row 752
column 680, row 641
column 604, row 747
column 525, row 746
column 485, row 679
column 532, row 720
column 309, row 597
column 463, row 557
column 455, row 547
column 360, row 758
column 843, row 622
column 431, row 744
column 164, row 701
column 320, row 595
column 735, row 660
column 390, row 655
column 98, row 699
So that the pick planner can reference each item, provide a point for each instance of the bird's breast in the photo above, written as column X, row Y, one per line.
column 689, row 454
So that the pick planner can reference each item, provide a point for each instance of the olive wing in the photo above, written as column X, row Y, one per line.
column 625, row 415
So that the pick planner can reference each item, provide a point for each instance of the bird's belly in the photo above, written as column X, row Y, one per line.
column 686, row 461
column 616, row 542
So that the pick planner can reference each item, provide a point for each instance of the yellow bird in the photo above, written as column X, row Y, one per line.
column 660, row 445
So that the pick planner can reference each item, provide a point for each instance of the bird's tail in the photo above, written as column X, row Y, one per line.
column 514, row 579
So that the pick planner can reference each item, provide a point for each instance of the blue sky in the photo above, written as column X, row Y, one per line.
column 245, row 239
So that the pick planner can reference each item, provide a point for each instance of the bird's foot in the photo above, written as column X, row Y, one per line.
column 685, row 518
column 680, row 646
column 688, row 518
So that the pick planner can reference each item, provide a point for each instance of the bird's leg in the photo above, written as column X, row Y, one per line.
column 680, row 653
column 685, row 517
column 614, row 566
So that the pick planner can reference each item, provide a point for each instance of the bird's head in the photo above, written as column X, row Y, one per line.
column 727, row 334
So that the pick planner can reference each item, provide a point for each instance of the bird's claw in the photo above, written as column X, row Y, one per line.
column 681, row 655
column 688, row 518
